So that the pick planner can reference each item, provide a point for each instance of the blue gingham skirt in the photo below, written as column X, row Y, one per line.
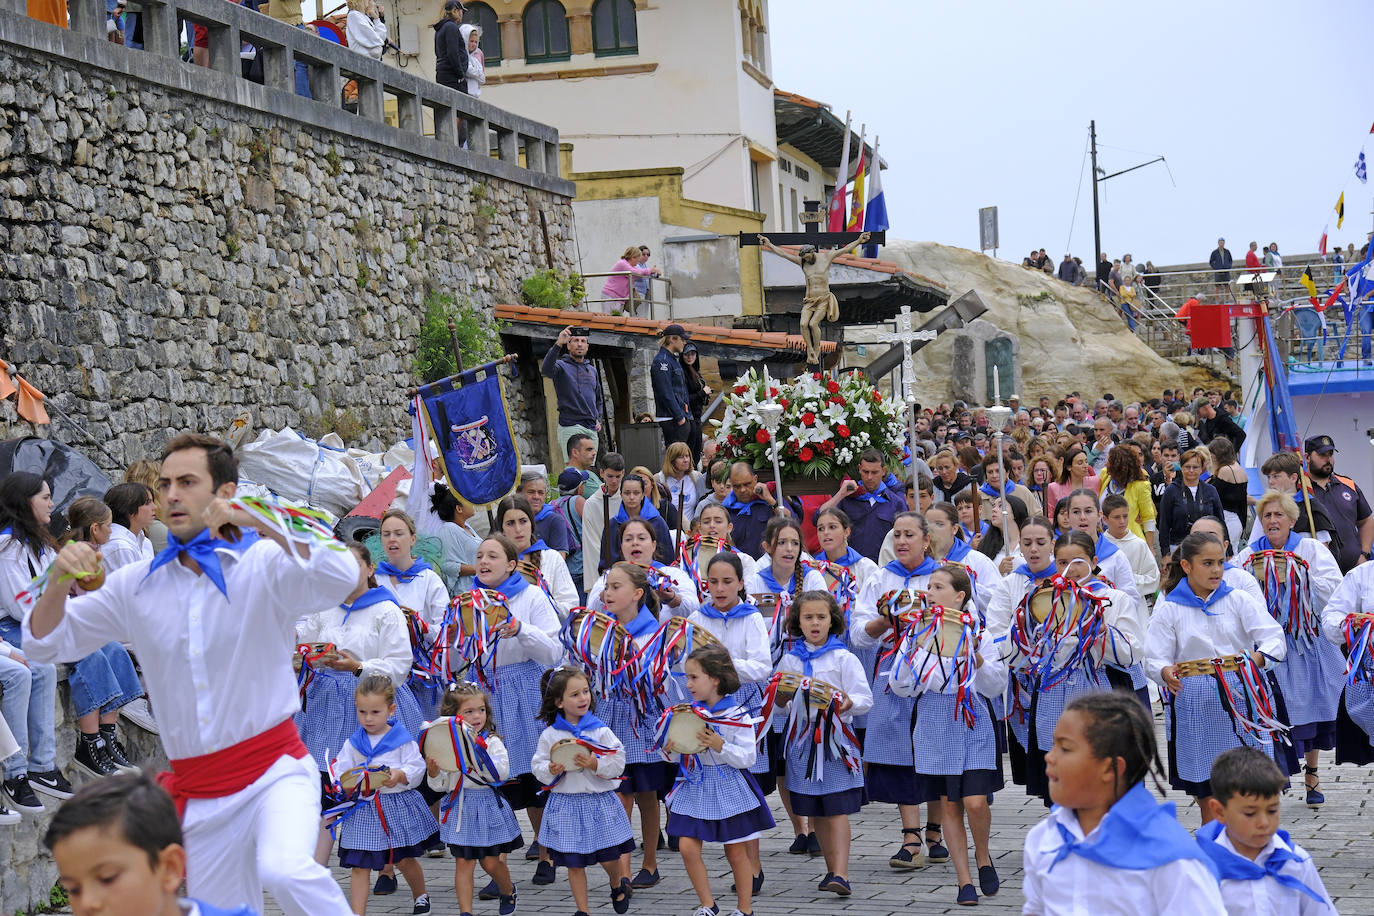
column 634, row 733
column 329, row 715
column 944, row 743
column 584, row 823
column 888, row 739
column 409, row 824
column 1137, row 675
column 1049, row 704
column 1311, row 678
column 835, row 776
column 867, row 657
column 485, row 820
column 1200, row 729
column 1359, row 705
column 710, row 792
column 1018, row 722
column 515, row 701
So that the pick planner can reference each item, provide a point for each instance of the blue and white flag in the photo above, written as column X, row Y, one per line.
column 875, row 211
column 1360, row 170
column 472, row 429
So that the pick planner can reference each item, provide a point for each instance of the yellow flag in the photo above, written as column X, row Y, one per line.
column 1340, row 209
column 1308, row 283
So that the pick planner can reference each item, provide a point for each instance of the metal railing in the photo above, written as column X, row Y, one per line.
column 498, row 139
column 636, row 301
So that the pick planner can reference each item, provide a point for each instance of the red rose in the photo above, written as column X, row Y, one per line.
column 806, row 454
column 733, row 439
column 837, row 400
column 808, row 419
column 772, row 392
column 740, row 389
column 816, row 376
column 843, row 431
column 783, row 402
column 877, row 396
column 832, row 386
column 828, row 446
column 761, row 437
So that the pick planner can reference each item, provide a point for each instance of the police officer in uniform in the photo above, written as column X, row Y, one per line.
column 670, row 386
column 1345, row 505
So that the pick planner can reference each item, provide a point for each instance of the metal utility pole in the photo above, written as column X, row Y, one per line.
column 1097, row 223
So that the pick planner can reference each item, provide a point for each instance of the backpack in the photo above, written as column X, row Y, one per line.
column 562, row 507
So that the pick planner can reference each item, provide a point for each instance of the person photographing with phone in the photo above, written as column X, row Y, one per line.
column 576, row 385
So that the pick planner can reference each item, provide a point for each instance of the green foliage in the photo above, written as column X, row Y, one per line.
column 232, row 245
column 1028, row 300
column 479, row 338
column 548, row 289
column 487, row 212
column 333, row 162
column 364, row 276
column 412, row 250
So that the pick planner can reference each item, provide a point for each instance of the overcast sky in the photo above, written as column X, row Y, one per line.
column 1260, row 108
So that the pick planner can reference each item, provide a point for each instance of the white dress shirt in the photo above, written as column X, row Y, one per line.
column 375, row 635
column 124, row 547
column 425, row 594
column 1236, row 625
column 1267, row 897
column 1081, row 887
column 217, row 670
column 602, row 778
column 682, row 583
column 405, row 758
column 1355, row 595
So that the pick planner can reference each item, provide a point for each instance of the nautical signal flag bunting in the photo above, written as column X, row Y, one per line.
column 29, row 403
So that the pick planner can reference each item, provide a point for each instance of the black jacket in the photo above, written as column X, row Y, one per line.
column 1222, row 425
column 450, row 56
column 1178, row 510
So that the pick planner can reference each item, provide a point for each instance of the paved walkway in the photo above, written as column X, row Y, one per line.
column 1338, row 837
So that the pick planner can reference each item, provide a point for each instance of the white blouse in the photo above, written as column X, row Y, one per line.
column 425, row 594
column 561, row 589
column 405, row 758
column 1323, row 573
column 600, row 779
column 1236, row 625
column 1267, row 897
column 682, row 585
column 746, row 639
column 1355, row 595
column 18, row 567
column 125, row 547
column 375, row 635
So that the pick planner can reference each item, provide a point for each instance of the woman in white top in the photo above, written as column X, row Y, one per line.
column 134, row 507
column 419, row 591
column 477, row 61
column 366, row 28
column 946, row 547
column 685, row 486
column 515, row 518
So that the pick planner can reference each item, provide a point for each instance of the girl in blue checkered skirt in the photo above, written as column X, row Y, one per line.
column 478, row 824
column 393, row 824
column 584, row 822
column 1202, row 617
column 826, row 791
column 954, row 736
column 717, row 799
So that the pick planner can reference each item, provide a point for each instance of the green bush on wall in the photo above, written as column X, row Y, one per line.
column 548, row 289
column 479, row 337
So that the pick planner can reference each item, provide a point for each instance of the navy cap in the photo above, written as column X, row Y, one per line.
column 571, row 480
column 1322, row 444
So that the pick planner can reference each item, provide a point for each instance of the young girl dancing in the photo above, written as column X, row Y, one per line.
column 584, row 824
column 717, row 799
column 958, row 756
column 1202, row 618
column 417, row 587
column 888, row 755
column 712, row 521
column 845, row 571
column 393, row 825
column 478, row 826
column 816, row 623
column 1107, row 845
column 740, row 629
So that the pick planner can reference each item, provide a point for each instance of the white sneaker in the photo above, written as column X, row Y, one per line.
column 141, row 714
column 9, row 818
column 706, row 911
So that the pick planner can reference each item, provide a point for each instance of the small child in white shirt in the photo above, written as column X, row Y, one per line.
column 1116, row 514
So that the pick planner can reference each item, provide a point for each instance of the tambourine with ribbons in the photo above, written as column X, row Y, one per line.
column 1359, row 644
column 565, row 752
column 351, row 790
column 599, row 644
column 455, row 748
column 813, row 722
column 1284, row 579
column 938, row 651
column 480, row 615
column 681, row 725
column 839, row 581
column 1252, row 710
column 310, row 653
column 668, row 648
column 428, row 655
column 529, row 568
column 1059, row 612
column 695, row 558
column 775, row 607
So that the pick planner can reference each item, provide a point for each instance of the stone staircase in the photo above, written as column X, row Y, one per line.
column 27, row 872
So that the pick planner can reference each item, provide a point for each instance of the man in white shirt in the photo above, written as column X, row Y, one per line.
column 596, row 513
column 213, row 623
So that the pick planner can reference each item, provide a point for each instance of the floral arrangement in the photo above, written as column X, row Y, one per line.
column 826, row 424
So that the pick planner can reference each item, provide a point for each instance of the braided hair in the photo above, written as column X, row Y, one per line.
column 1118, row 726
column 776, row 526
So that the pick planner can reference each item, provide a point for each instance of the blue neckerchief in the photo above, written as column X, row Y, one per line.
column 732, row 504
column 802, row 650
column 544, row 512
column 1007, row 488
column 367, row 599
column 968, row 535
column 957, row 551
column 201, row 548
column 404, row 575
column 735, row 613
column 1291, row 545
column 588, row 723
column 395, row 737
column 720, row 706
column 927, row 567
column 646, row 512
column 534, row 548
column 643, row 623
column 1183, row 594
column 1233, row 867
column 851, row 556
column 1137, row 833
column 766, row 574
column 891, row 481
column 514, row 585
column 1105, row 548
column 872, row 498
column 1036, row 577
column 207, row 910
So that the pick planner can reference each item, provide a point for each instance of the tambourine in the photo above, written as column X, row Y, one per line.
column 943, row 640
column 528, row 567
column 706, row 549
column 450, row 743
column 902, row 603
column 565, row 752
column 1259, row 564
column 1063, row 607
column 700, row 635
column 314, row 651
column 817, row 692
column 590, row 629
column 766, row 602
column 684, row 729
column 1204, row 666
column 364, row 780
column 494, row 608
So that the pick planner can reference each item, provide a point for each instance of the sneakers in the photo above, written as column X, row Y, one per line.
column 544, row 873
column 798, row 847
column 9, row 818
column 707, row 911
column 116, row 750
column 141, row 714
column 740, row 913
column 92, row 757
column 508, row 903
column 20, row 795
column 421, row 905
column 51, row 783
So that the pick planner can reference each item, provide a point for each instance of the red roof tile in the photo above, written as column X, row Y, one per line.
column 708, row 333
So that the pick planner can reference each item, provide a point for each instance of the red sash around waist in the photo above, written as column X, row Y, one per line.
column 232, row 769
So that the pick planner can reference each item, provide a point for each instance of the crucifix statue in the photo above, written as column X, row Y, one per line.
column 819, row 303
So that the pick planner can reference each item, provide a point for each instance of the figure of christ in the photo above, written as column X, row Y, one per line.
column 819, row 303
